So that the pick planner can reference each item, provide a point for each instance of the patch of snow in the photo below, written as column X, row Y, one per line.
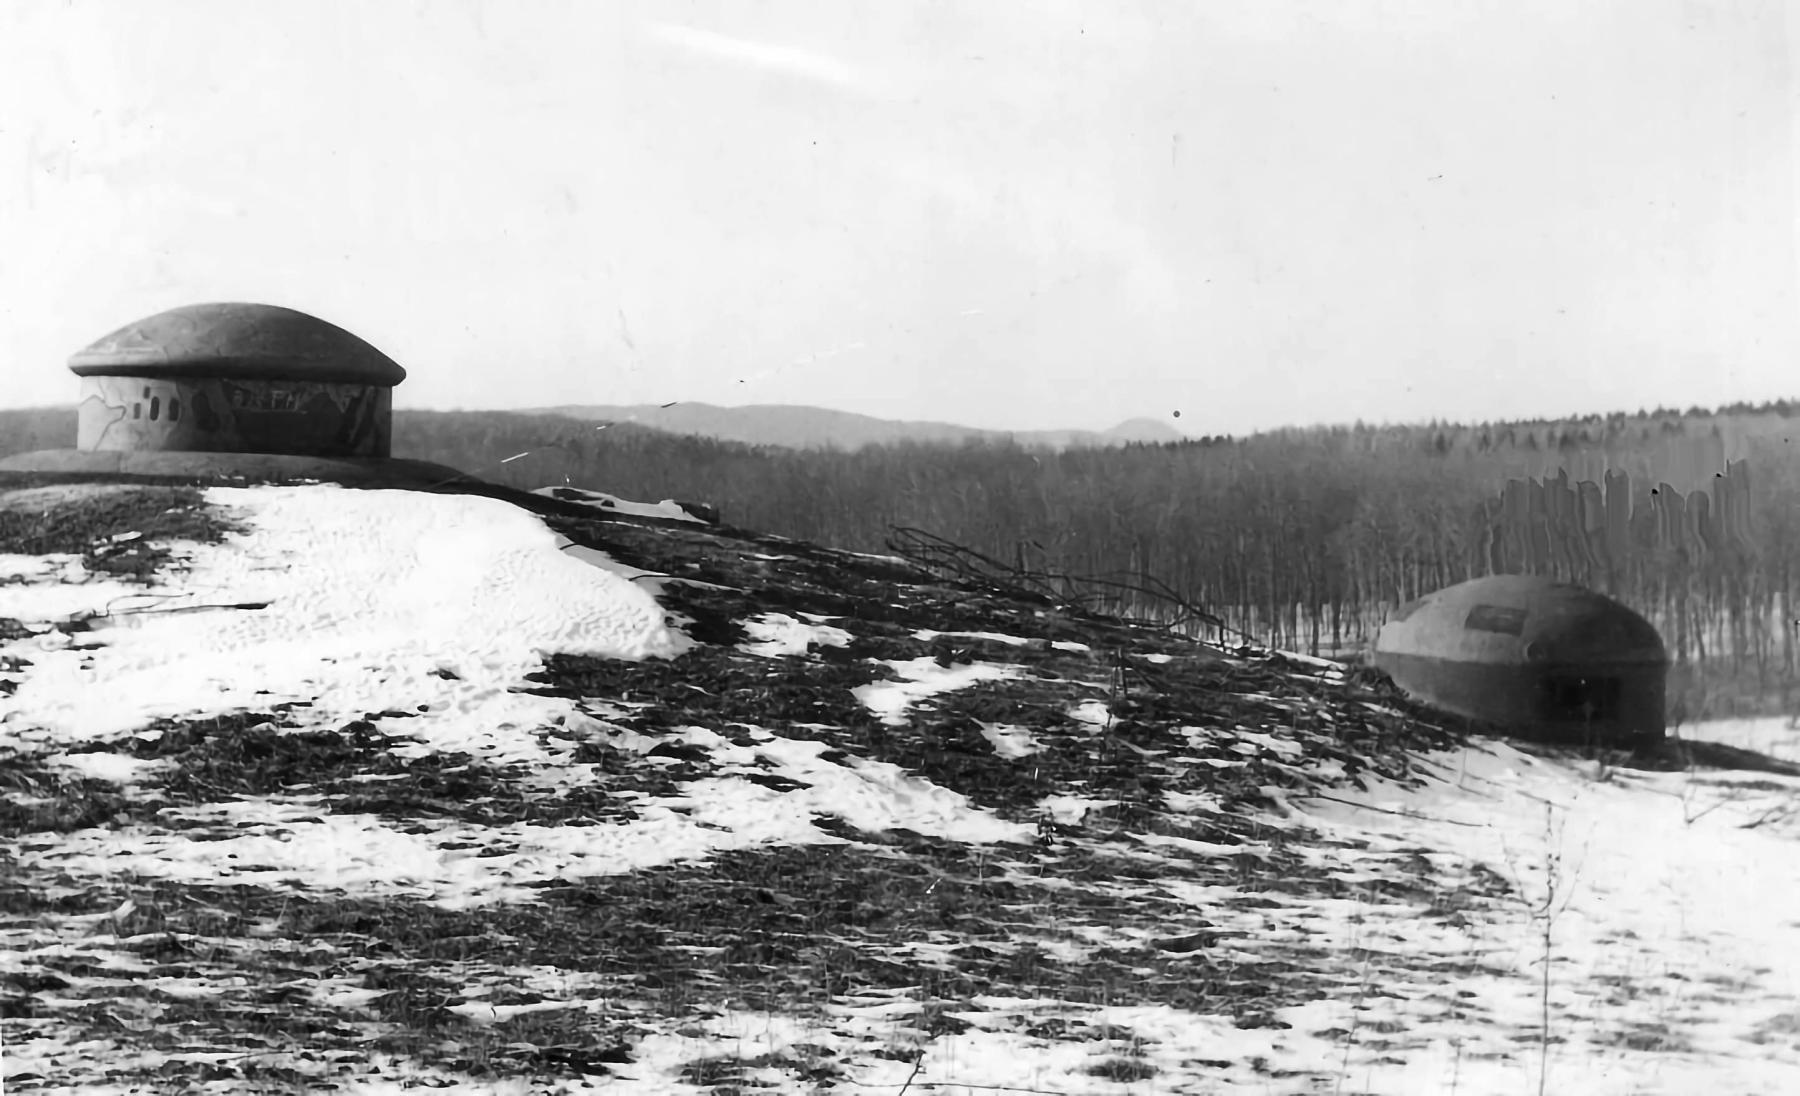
column 594, row 557
column 1193, row 802
column 1071, row 645
column 921, row 678
column 371, row 596
column 1202, row 848
column 193, row 987
column 14, row 565
column 1776, row 736
column 870, row 795
column 455, row 865
column 864, row 555
column 1010, row 741
column 344, row 993
column 926, row 635
column 1313, row 661
column 487, row 1014
column 600, row 500
column 774, row 635
column 1069, row 810
column 660, row 1059
column 115, row 768
column 1280, row 746
column 1094, row 713
column 41, row 589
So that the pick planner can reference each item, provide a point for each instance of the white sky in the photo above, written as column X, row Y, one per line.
column 1052, row 214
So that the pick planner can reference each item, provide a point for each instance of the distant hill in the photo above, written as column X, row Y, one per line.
column 802, row 427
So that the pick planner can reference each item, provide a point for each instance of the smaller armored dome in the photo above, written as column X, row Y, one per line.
column 1534, row 655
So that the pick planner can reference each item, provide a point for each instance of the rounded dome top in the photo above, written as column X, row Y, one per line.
column 239, row 342
column 1522, row 619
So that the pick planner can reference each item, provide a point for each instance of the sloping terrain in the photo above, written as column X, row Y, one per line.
column 367, row 790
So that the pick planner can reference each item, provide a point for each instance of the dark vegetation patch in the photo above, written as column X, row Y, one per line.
column 726, row 1075
column 717, row 686
column 91, row 522
column 253, row 754
column 1123, row 1070
column 39, row 798
column 357, row 769
column 268, row 949
column 786, row 928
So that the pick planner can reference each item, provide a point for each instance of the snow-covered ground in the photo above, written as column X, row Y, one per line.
column 1657, row 929
column 370, row 600
column 1650, row 942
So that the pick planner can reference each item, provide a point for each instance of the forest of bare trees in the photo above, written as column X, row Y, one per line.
column 1302, row 538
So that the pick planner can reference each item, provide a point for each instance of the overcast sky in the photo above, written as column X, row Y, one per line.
column 1014, row 215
